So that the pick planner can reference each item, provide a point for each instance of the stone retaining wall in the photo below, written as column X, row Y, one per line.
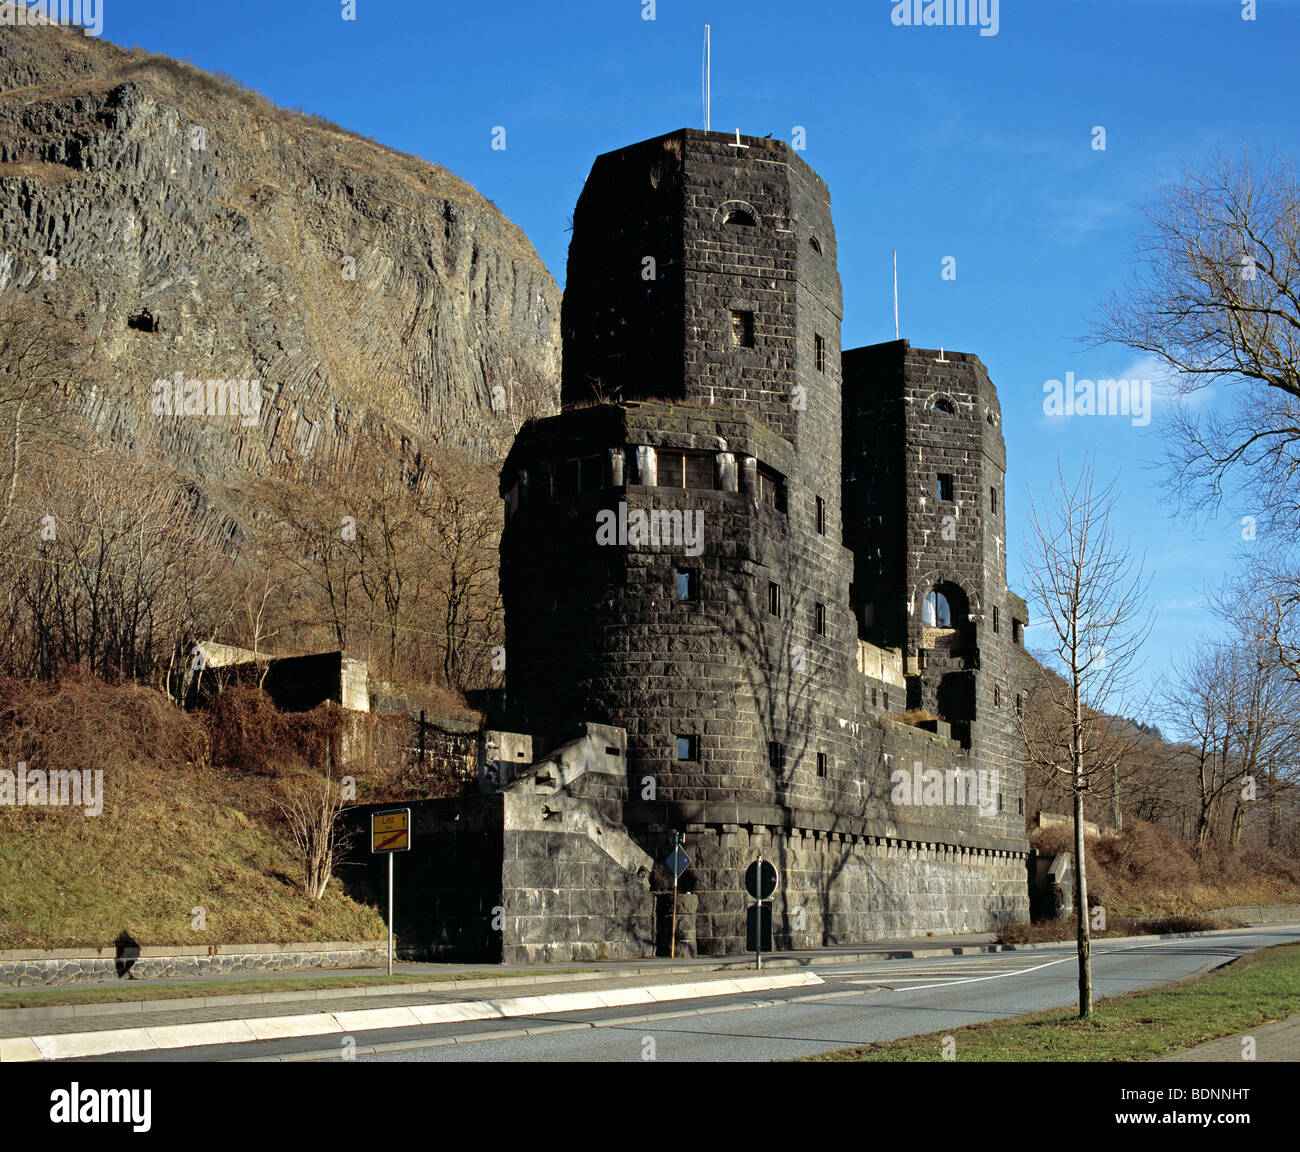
column 1259, row 913
column 65, row 966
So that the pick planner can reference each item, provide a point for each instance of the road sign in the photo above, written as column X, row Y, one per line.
column 390, row 831
column 761, row 879
column 678, row 862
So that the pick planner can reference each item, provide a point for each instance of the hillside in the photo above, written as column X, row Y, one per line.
column 177, row 833
column 196, row 228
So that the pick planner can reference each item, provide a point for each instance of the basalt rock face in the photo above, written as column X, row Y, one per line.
column 197, row 229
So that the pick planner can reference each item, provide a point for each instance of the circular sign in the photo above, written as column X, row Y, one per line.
column 760, row 879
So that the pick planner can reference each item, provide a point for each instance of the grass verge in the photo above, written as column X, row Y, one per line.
column 185, row 990
column 1256, row 989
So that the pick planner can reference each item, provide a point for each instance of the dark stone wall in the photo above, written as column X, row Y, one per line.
column 624, row 331
column 448, row 886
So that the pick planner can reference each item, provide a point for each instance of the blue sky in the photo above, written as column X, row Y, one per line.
column 935, row 141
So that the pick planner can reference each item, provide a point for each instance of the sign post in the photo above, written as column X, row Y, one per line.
column 390, row 833
column 761, row 879
column 678, row 862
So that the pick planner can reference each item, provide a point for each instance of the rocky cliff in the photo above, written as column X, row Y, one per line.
column 189, row 226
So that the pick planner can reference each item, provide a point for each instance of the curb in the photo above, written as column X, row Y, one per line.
column 169, row 1036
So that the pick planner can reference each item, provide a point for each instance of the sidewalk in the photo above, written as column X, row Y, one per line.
column 901, row 948
column 1274, row 1043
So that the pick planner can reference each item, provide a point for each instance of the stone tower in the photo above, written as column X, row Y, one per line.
column 674, row 559
column 924, row 481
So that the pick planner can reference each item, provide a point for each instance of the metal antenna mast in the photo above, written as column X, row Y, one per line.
column 708, row 64
column 895, row 293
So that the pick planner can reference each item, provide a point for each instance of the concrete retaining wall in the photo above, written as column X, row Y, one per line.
column 1259, row 913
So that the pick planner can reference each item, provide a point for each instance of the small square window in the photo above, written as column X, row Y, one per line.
column 688, row 585
column 819, row 619
column 943, row 486
column 821, row 516
column 775, row 755
column 771, row 489
column 773, row 598
column 821, row 763
column 688, row 747
column 742, row 329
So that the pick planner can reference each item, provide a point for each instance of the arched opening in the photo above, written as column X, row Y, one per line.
column 945, row 405
column 739, row 216
column 945, row 606
column 936, row 612
column 815, row 244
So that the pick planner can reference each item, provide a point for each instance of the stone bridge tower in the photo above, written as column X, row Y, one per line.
column 924, row 485
column 673, row 559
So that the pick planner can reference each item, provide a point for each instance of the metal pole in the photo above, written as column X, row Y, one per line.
column 895, row 293
column 708, row 66
column 390, row 912
column 758, row 918
column 672, row 945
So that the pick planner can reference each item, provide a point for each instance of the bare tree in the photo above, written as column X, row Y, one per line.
column 1216, row 298
column 311, row 808
column 1089, row 591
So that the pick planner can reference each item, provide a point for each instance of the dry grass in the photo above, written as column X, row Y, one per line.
column 915, row 717
column 178, row 833
column 1147, row 871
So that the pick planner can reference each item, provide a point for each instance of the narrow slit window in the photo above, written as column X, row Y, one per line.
column 742, row 329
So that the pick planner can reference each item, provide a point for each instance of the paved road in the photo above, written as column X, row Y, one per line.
column 859, row 1003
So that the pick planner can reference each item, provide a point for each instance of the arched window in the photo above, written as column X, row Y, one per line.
column 739, row 216
column 943, row 404
column 815, row 244
column 936, row 612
